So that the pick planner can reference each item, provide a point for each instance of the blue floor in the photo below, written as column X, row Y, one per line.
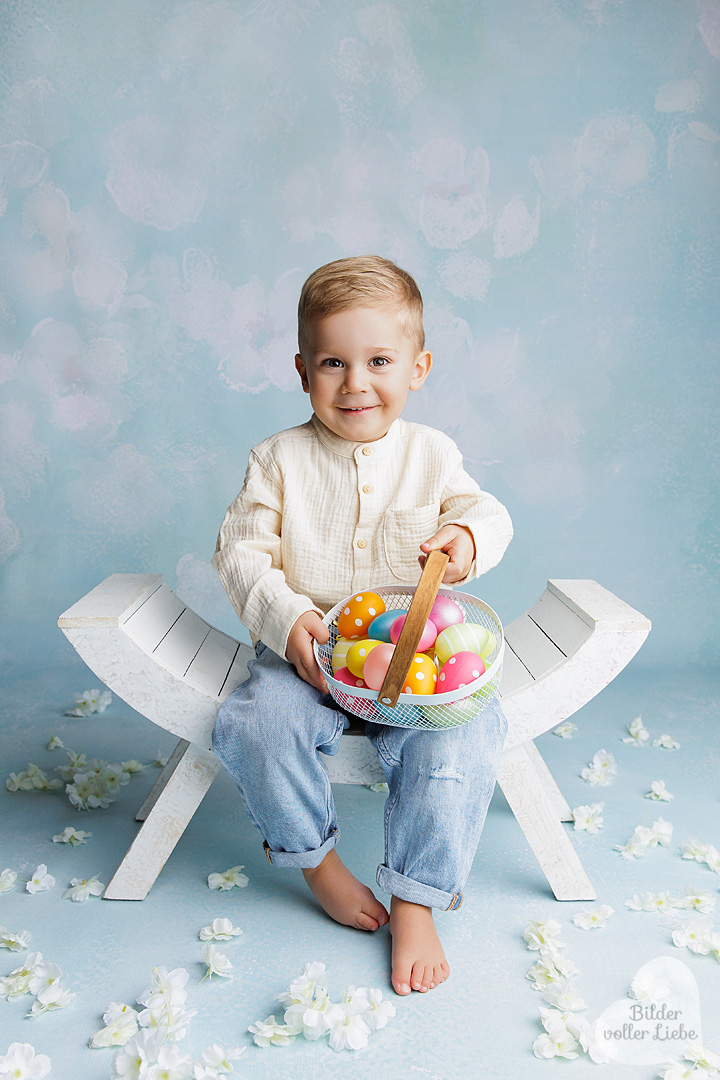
column 481, row 1023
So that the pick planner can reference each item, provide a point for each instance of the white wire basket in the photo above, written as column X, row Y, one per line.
column 429, row 711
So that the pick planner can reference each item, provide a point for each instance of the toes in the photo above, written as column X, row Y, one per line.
column 366, row 922
column 421, row 978
column 401, row 978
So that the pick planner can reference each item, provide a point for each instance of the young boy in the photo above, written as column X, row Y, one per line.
column 354, row 499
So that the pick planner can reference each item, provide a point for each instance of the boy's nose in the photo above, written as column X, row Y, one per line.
column 355, row 382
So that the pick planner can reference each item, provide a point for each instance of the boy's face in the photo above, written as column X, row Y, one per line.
column 358, row 368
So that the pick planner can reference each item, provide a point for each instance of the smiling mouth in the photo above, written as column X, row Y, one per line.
column 359, row 409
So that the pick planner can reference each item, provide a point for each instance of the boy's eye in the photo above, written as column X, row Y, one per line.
column 332, row 361
column 380, row 361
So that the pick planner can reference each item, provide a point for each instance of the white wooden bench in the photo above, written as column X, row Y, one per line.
column 175, row 669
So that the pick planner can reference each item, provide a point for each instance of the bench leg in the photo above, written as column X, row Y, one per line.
column 181, row 793
column 159, row 786
column 536, row 814
column 555, row 795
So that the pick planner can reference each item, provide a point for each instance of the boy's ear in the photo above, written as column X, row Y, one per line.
column 302, row 372
column 421, row 370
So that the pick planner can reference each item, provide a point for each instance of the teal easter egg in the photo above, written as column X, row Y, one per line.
column 400, row 716
column 463, row 637
column 379, row 628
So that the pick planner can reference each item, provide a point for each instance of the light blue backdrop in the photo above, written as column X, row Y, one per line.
column 547, row 169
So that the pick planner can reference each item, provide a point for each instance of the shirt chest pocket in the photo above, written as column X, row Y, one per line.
column 403, row 532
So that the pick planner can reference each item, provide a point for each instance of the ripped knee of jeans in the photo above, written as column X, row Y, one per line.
column 446, row 772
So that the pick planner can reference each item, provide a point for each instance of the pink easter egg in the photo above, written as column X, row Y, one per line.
column 460, row 670
column 445, row 612
column 345, row 675
column 376, row 665
column 427, row 638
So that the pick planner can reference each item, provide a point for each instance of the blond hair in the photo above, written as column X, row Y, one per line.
column 360, row 281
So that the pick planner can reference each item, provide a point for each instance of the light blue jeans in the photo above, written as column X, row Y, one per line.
column 267, row 735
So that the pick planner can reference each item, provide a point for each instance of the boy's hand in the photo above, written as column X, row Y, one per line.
column 457, row 542
column 299, row 650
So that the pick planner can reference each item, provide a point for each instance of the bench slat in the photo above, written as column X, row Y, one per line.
column 208, row 670
column 150, row 623
column 562, row 625
column 181, row 643
column 514, row 675
column 238, row 673
column 534, row 648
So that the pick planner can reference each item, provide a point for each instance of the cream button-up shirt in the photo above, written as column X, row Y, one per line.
column 319, row 518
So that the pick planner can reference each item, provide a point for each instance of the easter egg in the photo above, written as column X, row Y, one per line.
column 339, row 654
column 427, row 638
column 358, row 613
column 422, row 676
column 345, row 675
column 379, row 628
column 358, row 654
column 445, row 612
column 400, row 716
column 462, row 637
column 377, row 664
column 460, row 669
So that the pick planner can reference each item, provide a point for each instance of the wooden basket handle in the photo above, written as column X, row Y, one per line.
column 413, row 627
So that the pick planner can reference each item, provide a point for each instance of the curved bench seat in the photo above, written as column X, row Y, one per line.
column 170, row 665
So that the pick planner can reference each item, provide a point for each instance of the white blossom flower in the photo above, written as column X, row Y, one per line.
column 346, row 1021
column 160, row 761
column 76, row 763
column 635, row 847
column 550, row 968
column 14, row 942
column 19, row 782
column 268, row 1032
column 51, row 998
column 45, row 974
column 588, row 818
column 706, row 1061
column 217, row 1062
column 692, row 934
column 565, row 730
column 381, row 787
column 217, row 962
column 305, row 985
column 89, row 791
column 639, row 734
column 693, row 849
column 171, row 1065
column 699, row 899
column 564, row 996
column 40, row 880
column 648, row 901
column 229, row 878
column 601, row 769
column 22, row 1063
column 32, row 779
column 660, row 833
column 712, row 940
column 378, row 1012
column 666, row 742
column 712, row 858
column 541, row 935
column 219, row 930
column 556, row 1040
column 308, row 1016
column 659, row 791
column 71, row 836
column 121, row 1023
column 677, row 1071
column 55, row 743
column 7, row 880
column 649, row 989
column 132, row 1060
column 82, row 888
column 163, row 1001
column 593, row 918
column 89, row 702
column 132, row 766
column 17, row 983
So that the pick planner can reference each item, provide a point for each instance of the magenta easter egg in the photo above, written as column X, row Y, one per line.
column 459, row 670
column 445, row 612
column 376, row 665
column 345, row 675
column 379, row 628
column 427, row 639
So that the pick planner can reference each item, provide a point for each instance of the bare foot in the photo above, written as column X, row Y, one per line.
column 418, row 960
column 345, row 899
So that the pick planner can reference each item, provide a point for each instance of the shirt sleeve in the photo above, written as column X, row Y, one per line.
column 463, row 502
column 248, row 559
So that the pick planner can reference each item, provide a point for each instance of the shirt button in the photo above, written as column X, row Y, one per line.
column 367, row 451
column 367, row 488
column 362, row 543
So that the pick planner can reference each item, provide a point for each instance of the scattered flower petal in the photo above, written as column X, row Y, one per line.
column 564, row 996
column 217, row 962
column 649, row 989
column 217, row 1062
column 171, row 1065
column 601, row 769
column 692, row 935
column 648, row 901
column 7, row 880
column 639, row 734
column 565, row 730
column 22, row 1063
column 55, row 743
column 14, row 942
column 268, row 1032
column 666, row 742
column 541, row 935
column 219, row 930
column 659, row 791
column 348, row 1028
column 71, row 836
column 557, row 1040
column 378, row 787
column 40, row 881
column 121, row 1024
column 17, row 983
column 81, row 888
column 228, row 879
column 89, row 702
column 132, row 1060
column 588, row 818
column 593, row 918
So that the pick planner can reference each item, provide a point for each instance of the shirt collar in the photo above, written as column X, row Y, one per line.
column 346, row 448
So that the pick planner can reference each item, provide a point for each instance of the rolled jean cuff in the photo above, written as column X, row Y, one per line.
column 415, row 892
column 305, row 860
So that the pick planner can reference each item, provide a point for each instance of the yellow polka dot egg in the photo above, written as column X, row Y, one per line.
column 422, row 676
column 358, row 613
